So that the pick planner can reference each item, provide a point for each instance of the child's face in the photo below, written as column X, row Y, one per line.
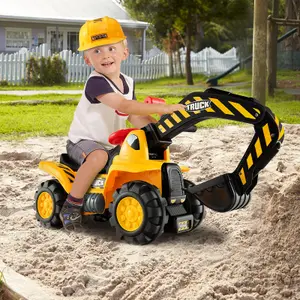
column 107, row 59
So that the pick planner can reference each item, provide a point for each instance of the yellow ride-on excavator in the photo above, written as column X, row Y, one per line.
column 143, row 193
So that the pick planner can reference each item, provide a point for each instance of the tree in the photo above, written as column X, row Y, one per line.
column 155, row 13
column 195, row 13
column 259, row 51
column 186, row 18
column 292, row 11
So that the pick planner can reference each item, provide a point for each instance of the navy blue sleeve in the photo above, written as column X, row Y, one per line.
column 97, row 86
column 133, row 96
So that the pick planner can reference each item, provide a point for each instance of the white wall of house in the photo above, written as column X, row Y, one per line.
column 65, row 16
column 37, row 34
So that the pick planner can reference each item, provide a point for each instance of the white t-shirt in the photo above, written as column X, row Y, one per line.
column 94, row 120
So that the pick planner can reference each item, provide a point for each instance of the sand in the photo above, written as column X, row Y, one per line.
column 246, row 254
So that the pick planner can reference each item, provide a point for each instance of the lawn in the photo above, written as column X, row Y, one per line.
column 67, row 86
column 40, row 97
column 51, row 115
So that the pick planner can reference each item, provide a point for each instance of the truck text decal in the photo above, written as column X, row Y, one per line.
column 198, row 105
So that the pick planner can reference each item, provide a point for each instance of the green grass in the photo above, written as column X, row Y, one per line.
column 79, row 86
column 41, row 97
column 67, row 86
column 288, row 112
column 22, row 121
column 240, row 76
column 19, row 121
column 288, row 75
column 243, row 76
column 171, row 82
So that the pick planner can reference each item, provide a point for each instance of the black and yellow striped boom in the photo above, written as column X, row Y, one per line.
column 213, row 103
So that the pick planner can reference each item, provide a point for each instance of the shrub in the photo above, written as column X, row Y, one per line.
column 45, row 70
column 3, row 83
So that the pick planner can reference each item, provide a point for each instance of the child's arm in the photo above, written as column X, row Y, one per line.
column 119, row 103
column 140, row 121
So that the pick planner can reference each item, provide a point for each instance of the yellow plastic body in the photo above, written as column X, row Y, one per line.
column 128, row 166
column 62, row 173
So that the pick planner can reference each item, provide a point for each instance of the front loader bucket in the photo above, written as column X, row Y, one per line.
column 219, row 194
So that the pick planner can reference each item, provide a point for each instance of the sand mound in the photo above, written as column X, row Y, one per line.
column 280, row 241
column 248, row 254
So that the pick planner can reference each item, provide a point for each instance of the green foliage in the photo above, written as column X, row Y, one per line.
column 32, row 70
column 193, row 24
column 59, row 69
column 3, row 83
column 45, row 71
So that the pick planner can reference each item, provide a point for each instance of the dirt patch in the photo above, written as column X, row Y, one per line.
column 248, row 254
column 288, row 83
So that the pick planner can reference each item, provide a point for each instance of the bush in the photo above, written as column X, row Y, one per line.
column 3, row 83
column 46, row 70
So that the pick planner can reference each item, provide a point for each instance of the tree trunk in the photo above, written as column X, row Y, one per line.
column 292, row 11
column 171, row 66
column 259, row 51
column 170, row 53
column 179, row 63
column 188, row 69
column 270, row 58
column 198, row 35
column 272, row 50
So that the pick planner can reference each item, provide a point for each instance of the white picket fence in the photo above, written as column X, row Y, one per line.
column 208, row 62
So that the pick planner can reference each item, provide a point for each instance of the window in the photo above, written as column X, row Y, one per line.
column 66, row 39
column 56, row 41
column 17, row 38
column 133, row 142
column 73, row 41
column 38, row 39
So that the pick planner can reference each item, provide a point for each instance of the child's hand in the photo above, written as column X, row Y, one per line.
column 170, row 108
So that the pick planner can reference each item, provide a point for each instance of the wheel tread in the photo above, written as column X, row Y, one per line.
column 155, row 212
column 194, row 206
column 53, row 186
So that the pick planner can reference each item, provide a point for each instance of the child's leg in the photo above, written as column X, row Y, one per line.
column 93, row 164
column 94, row 157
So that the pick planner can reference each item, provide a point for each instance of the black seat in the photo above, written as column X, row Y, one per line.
column 65, row 159
column 68, row 161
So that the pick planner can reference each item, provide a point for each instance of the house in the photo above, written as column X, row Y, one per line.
column 29, row 23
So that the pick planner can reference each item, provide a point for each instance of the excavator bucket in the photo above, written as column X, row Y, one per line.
column 219, row 194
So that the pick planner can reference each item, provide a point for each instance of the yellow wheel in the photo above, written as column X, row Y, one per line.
column 45, row 205
column 49, row 199
column 130, row 214
column 138, row 212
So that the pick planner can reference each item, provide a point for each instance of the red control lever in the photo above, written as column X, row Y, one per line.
column 117, row 138
column 154, row 100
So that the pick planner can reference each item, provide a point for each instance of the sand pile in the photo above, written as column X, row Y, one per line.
column 249, row 254
column 279, row 241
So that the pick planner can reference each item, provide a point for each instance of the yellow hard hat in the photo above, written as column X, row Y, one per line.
column 100, row 32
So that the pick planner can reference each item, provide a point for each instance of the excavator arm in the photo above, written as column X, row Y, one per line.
column 232, row 190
